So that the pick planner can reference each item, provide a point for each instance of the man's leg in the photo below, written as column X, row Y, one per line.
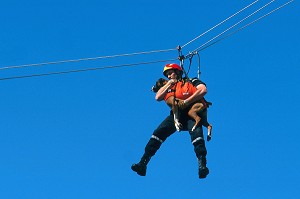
column 199, row 148
column 163, row 131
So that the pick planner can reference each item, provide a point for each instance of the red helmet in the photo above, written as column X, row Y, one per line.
column 173, row 66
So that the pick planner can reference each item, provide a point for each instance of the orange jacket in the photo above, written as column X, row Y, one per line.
column 181, row 91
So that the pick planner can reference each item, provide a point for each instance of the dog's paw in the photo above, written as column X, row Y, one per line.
column 178, row 125
column 194, row 127
column 209, row 133
column 208, row 138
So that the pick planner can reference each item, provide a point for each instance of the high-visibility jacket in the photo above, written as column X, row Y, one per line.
column 181, row 90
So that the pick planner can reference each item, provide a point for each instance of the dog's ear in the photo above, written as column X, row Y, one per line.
column 154, row 89
column 159, row 83
column 162, row 81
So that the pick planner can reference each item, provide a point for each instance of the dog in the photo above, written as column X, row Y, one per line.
column 197, row 111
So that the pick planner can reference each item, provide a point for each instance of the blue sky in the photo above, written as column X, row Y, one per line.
column 76, row 135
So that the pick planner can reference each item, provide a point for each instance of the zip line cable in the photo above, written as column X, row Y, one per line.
column 122, row 55
column 243, row 27
column 202, row 47
column 86, row 59
column 258, row 10
column 219, row 24
column 83, row 70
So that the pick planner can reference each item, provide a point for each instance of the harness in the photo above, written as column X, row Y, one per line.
column 190, row 56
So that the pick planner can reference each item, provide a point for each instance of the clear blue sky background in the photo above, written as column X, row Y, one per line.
column 76, row 135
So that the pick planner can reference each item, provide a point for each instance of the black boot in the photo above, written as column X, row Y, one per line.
column 141, row 167
column 203, row 170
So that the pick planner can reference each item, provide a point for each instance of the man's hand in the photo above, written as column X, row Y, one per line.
column 172, row 81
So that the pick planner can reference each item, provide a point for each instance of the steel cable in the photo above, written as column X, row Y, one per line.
column 219, row 24
column 256, row 11
column 243, row 27
column 84, row 70
column 85, row 59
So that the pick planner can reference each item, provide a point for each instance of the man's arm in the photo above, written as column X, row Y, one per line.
column 198, row 95
column 200, row 92
column 163, row 90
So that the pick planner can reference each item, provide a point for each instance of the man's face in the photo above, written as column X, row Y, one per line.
column 171, row 74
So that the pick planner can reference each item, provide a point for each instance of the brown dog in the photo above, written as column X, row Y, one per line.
column 197, row 111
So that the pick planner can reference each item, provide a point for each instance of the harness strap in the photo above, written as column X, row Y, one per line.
column 181, row 58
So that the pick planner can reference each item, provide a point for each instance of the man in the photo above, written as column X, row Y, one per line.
column 183, row 92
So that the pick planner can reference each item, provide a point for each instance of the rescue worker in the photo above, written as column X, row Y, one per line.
column 185, row 100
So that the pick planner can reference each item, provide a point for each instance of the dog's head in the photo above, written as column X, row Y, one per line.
column 159, row 83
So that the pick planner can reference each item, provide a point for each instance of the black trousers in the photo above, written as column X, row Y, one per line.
column 167, row 128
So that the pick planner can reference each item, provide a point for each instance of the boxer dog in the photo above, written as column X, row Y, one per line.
column 196, row 111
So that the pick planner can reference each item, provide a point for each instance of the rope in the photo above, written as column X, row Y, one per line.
column 197, row 49
column 83, row 70
column 198, row 72
column 219, row 24
column 203, row 47
column 85, row 59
